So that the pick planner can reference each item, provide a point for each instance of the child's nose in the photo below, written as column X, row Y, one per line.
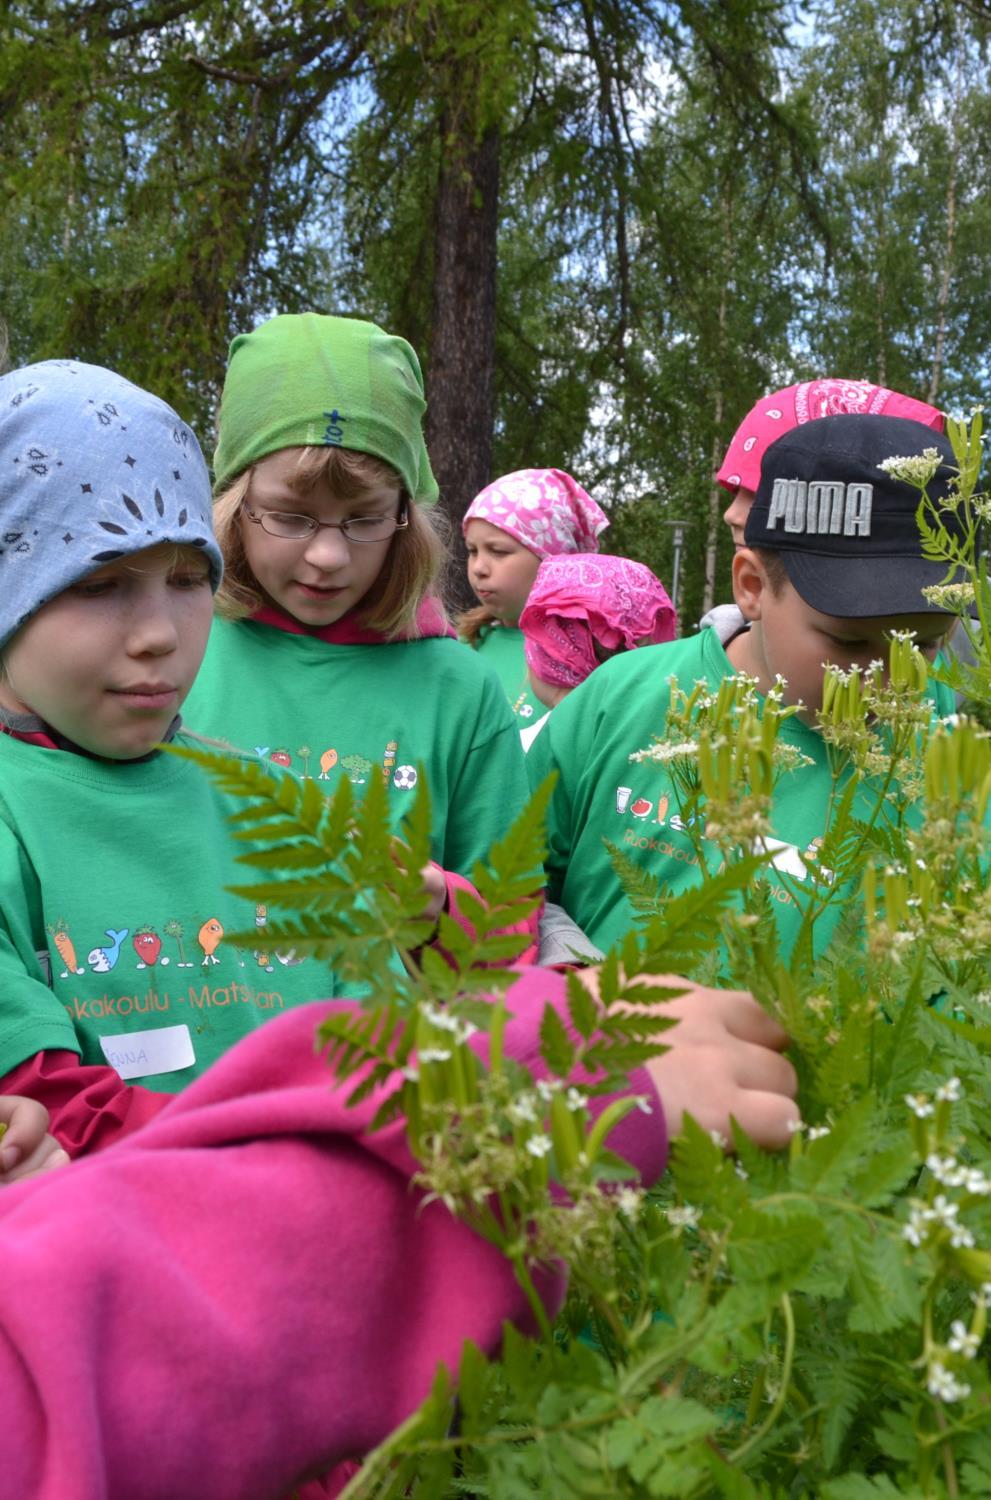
column 327, row 548
column 155, row 631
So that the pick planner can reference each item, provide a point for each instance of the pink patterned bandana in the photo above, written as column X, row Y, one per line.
column 577, row 603
column 544, row 509
column 783, row 410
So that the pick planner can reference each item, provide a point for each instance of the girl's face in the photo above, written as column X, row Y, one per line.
column 500, row 569
column 315, row 578
column 108, row 661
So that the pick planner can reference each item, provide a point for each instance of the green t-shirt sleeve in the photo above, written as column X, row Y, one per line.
column 31, row 1018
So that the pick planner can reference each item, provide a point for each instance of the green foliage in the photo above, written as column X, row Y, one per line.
column 697, row 203
column 799, row 1324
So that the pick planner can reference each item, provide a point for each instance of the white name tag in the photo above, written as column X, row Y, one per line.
column 164, row 1049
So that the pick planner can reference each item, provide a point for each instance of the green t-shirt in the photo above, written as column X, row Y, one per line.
column 502, row 646
column 602, row 794
column 114, row 918
column 327, row 711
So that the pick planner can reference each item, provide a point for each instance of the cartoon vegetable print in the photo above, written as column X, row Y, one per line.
column 176, row 931
column 147, row 945
column 357, row 767
column 209, row 937
column 328, row 761
column 281, row 758
column 304, row 752
column 66, row 950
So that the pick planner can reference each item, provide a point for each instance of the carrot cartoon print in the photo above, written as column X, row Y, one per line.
column 66, row 951
column 209, row 937
column 328, row 761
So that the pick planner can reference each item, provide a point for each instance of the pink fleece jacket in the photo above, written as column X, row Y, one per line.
column 246, row 1291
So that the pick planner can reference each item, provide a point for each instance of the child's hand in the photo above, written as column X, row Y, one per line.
column 724, row 1059
column 25, row 1146
column 436, row 891
column 434, row 886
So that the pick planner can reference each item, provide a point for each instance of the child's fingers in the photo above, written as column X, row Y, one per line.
column 56, row 1158
column 768, row 1118
column 45, row 1156
column 737, row 1010
column 744, row 1018
column 26, row 1122
column 761, row 1068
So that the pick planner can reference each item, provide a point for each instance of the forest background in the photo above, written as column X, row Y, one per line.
column 606, row 225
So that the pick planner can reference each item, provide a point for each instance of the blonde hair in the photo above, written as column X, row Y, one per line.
column 410, row 570
column 474, row 624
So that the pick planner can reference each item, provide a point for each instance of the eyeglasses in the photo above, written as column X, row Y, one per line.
column 293, row 528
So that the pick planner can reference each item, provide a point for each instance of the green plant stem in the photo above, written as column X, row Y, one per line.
column 533, row 1297
column 949, row 1463
column 789, row 1354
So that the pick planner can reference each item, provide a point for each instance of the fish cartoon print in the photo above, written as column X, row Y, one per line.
column 102, row 960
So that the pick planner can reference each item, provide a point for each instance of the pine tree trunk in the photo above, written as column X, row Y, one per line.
column 717, row 504
column 460, row 374
column 949, row 245
column 717, row 497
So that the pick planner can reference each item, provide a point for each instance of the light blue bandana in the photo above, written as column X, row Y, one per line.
column 92, row 468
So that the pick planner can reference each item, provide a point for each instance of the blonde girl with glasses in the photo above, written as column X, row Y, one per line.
column 331, row 654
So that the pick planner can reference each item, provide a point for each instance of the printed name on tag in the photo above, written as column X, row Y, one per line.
column 163, row 1049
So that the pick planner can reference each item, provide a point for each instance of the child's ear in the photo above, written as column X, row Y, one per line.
column 750, row 583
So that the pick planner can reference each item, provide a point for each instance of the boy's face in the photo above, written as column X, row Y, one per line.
column 736, row 513
column 108, row 662
column 316, row 578
column 500, row 569
column 790, row 639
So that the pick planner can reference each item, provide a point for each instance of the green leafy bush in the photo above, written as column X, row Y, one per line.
column 762, row 1326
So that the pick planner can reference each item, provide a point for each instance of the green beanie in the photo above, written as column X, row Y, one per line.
column 303, row 378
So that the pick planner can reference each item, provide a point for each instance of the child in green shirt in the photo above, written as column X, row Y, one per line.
column 331, row 654
column 118, row 981
column 509, row 528
column 832, row 565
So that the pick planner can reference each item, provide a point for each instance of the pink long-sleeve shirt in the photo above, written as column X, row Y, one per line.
column 247, row 1290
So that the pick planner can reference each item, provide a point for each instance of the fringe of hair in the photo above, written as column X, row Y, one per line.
column 411, row 569
column 472, row 625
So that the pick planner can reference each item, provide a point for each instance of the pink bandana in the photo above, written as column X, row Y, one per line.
column 577, row 603
column 783, row 410
column 545, row 509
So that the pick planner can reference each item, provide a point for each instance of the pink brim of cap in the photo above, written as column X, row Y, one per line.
column 781, row 411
